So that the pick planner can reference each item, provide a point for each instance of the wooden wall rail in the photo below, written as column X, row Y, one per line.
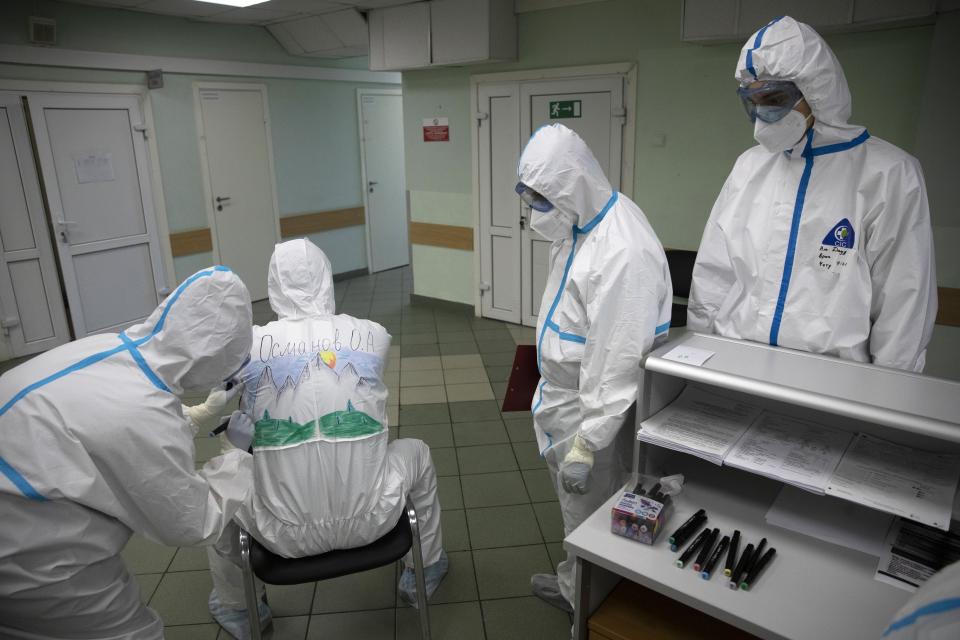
column 948, row 312
column 441, row 235
column 186, row 243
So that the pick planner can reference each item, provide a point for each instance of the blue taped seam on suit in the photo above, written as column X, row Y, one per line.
column 936, row 607
column 756, row 45
column 129, row 345
column 809, row 152
column 548, row 323
column 138, row 358
column 662, row 328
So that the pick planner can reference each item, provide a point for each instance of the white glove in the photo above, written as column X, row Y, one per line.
column 240, row 430
column 576, row 467
column 207, row 415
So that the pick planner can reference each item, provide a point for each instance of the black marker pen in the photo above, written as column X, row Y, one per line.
column 692, row 549
column 757, row 568
column 757, row 554
column 706, row 549
column 732, row 553
column 744, row 561
column 687, row 529
column 715, row 558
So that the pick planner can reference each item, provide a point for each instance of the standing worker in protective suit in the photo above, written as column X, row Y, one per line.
column 95, row 446
column 820, row 239
column 607, row 299
column 315, row 409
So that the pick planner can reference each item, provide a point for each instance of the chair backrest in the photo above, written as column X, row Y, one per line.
column 681, row 264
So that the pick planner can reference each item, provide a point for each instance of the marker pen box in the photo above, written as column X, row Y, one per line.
column 637, row 517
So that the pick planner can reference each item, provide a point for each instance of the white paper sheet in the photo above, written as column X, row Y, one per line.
column 688, row 355
column 901, row 480
column 830, row 519
column 913, row 552
column 95, row 166
column 794, row 451
column 700, row 423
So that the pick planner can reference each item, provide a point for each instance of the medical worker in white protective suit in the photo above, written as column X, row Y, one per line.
column 933, row 612
column 607, row 300
column 95, row 446
column 325, row 476
column 820, row 239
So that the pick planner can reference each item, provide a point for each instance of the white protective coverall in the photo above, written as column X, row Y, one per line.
column 95, row 447
column 608, row 297
column 824, row 248
column 325, row 476
column 933, row 612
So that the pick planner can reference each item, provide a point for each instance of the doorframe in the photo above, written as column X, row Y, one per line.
column 153, row 157
column 627, row 160
column 198, row 86
column 363, row 167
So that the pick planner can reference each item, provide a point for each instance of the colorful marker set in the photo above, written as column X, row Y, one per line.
column 741, row 573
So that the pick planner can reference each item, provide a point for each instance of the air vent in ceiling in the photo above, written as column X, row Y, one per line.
column 42, row 31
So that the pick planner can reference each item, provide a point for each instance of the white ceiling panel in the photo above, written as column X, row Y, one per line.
column 182, row 8
column 114, row 4
column 252, row 15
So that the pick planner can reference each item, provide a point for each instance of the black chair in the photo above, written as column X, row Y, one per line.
column 273, row 569
column 681, row 264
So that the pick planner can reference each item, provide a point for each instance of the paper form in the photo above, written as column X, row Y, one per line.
column 913, row 552
column 901, row 480
column 700, row 423
column 791, row 450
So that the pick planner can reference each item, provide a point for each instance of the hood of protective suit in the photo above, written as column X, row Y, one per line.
column 200, row 334
column 300, row 281
column 559, row 165
column 786, row 49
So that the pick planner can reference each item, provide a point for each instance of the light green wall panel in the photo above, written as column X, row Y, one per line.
column 942, row 353
column 442, row 273
column 441, row 208
column 186, row 266
column 346, row 248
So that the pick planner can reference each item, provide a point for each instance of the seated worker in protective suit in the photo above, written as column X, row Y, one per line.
column 325, row 476
column 820, row 239
column 607, row 300
column 95, row 447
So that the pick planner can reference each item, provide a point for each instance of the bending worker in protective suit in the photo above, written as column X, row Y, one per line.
column 95, row 446
column 607, row 300
column 325, row 476
column 820, row 239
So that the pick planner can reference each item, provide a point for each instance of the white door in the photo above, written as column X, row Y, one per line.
column 93, row 161
column 31, row 303
column 514, row 259
column 381, row 122
column 236, row 148
column 500, row 210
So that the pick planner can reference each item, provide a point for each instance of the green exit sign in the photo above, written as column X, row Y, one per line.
column 565, row 109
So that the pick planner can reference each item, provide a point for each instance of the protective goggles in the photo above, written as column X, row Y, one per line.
column 770, row 101
column 533, row 199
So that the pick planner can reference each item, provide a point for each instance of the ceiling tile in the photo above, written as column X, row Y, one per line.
column 183, row 8
column 251, row 15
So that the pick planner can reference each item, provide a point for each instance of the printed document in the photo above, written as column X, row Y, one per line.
column 913, row 552
column 901, row 480
column 791, row 450
column 700, row 423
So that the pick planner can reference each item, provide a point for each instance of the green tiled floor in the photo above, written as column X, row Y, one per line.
column 501, row 522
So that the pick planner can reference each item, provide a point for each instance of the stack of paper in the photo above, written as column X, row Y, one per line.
column 901, row 480
column 794, row 451
column 913, row 553
column 700, row 423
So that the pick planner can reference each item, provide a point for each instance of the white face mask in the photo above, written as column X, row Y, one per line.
column 551, row 224
column 783, row 134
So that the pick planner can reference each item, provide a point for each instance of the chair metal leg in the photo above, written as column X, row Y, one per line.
column 418, row 572
column 249, row 587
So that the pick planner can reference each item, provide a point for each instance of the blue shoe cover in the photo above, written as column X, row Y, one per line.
column 234, row 621
column 432, row 576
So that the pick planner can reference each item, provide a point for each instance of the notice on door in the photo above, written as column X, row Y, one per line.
column 560, row 109
column 96, row 166
column 436, row 130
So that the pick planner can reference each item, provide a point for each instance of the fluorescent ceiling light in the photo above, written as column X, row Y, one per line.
column 234, row 3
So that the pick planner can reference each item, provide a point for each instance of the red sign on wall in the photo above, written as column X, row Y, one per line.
column 436, row 130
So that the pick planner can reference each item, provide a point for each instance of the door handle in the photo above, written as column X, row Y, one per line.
column 523, row 222
column 64, row 227
column 370, row 184
column 220, row 200
column 8, row 323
